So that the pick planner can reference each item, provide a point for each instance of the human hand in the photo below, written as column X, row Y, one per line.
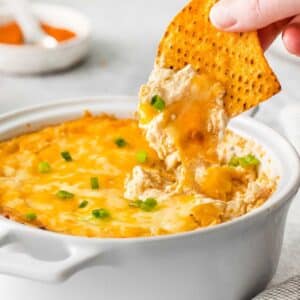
column 269, row 17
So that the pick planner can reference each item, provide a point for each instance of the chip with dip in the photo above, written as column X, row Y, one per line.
column 234, row 59
column 202, row 77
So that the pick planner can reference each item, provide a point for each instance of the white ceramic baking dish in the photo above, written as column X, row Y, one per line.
column 231, row 261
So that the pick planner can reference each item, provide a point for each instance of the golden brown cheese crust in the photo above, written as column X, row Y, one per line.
column 91, row 142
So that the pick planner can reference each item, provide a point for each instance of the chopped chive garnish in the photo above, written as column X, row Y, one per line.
column 120, row 142
column 31, row 216
column 234, row 161
column 141, row 157
column 83, row 204
column 66, row 156
column 249, row 160
column 94, row 183
column 147, row 205
column 101, row 213
column 158, row 103
column 64, row 195
column 244, row 161
column 135, row 203
column 44, row 167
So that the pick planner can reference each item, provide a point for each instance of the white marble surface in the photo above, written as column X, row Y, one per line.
column 126, row 33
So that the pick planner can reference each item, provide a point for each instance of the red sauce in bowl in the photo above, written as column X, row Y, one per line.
column 11, row 33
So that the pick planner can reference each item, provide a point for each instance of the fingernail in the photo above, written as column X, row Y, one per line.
column 221, row 17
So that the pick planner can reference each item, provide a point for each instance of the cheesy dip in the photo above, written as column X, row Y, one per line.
column 98, row 177
column 174, row 169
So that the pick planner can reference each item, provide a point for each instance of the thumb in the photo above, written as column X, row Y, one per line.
column 291, row 36
column 247, row 15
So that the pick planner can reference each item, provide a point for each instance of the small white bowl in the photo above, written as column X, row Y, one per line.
column 30, row 59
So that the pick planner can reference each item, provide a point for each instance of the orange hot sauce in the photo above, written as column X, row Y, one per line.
column 11, row 33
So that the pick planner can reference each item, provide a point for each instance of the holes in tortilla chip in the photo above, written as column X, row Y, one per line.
column 221, row 54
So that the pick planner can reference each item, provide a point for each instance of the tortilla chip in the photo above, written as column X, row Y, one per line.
column 234, row 59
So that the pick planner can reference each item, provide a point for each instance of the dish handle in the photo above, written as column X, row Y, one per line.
column 21, row 264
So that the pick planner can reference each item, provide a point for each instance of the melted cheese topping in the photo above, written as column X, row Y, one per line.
column 187, row 131
column 188, row 118
column 25, row 191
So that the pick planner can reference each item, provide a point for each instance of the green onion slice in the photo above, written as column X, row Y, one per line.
column 136, row 203
column 244, row 161
column 101, row 213
column 44, row 167
column 158, row 103
column 66, row 156
column 94, row 183
column 120, row 142
column 64, row 195
column 234, row 161
column 141, row 156
column 83, row 204
column 31, row 216
column 147, row 205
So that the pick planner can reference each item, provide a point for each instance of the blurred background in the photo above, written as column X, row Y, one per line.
column 124, row 39
column 125, row 34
